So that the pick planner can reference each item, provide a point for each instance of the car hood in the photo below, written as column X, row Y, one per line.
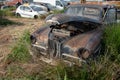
column 87, row 40
column 56, row 19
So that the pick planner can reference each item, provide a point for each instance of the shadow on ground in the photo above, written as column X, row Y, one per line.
column 4, row 22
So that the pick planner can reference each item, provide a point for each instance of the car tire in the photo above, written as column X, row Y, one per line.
column 18, row 15
column 35, row 17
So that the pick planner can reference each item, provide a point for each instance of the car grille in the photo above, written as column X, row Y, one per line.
column 52, row 46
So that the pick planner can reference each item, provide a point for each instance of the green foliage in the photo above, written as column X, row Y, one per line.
column 112, row 42
column 1, row 13
column 58, row 11
column 4, row 21
column 20, row 51
column 6, row 12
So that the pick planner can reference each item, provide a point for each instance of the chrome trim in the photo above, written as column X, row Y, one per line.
column 67, row 55
column 34, row 45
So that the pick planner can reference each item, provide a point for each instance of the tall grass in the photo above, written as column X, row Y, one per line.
column 106, row 67
column 112, row 42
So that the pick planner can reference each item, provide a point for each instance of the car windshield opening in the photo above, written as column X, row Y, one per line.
column 88, row 12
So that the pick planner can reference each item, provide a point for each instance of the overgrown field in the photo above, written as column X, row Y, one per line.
column 19, row 65
column 106, row 67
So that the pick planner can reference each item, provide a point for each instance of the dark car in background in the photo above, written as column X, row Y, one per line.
column 75, row 35
column 47, row 5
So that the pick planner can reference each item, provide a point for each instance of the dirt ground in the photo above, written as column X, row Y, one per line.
column 9, row 34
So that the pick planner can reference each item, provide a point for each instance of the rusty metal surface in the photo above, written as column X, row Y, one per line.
column 115, row 3
column 43, row 37
column 87, row 40
column 102, row 3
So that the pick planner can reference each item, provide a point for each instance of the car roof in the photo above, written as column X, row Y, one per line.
column 91, row 5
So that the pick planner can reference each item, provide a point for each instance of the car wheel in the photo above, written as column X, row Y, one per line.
column 18, row 15
column 35, row 17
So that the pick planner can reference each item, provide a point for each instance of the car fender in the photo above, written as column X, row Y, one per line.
column 88, row 41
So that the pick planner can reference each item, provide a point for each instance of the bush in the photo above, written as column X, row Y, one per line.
column 1, row 14
column 7, row 12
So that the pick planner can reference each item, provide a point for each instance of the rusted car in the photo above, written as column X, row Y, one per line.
column 74, row 35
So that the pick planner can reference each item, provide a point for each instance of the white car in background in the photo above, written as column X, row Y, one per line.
column 31, row 11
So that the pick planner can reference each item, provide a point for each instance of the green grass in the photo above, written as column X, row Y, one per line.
column 112, row 42
column 20, row 52
column 58, row 11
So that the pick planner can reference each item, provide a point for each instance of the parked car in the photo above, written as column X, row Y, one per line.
column 58, row 4
column 47, row 5
column 31, row 11
column 75, row 35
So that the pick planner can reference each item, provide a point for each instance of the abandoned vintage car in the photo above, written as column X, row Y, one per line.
column 75, row 34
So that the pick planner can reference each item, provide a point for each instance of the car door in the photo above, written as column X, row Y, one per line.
column 21, row 11
column 111, row 16
column 28, row 12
